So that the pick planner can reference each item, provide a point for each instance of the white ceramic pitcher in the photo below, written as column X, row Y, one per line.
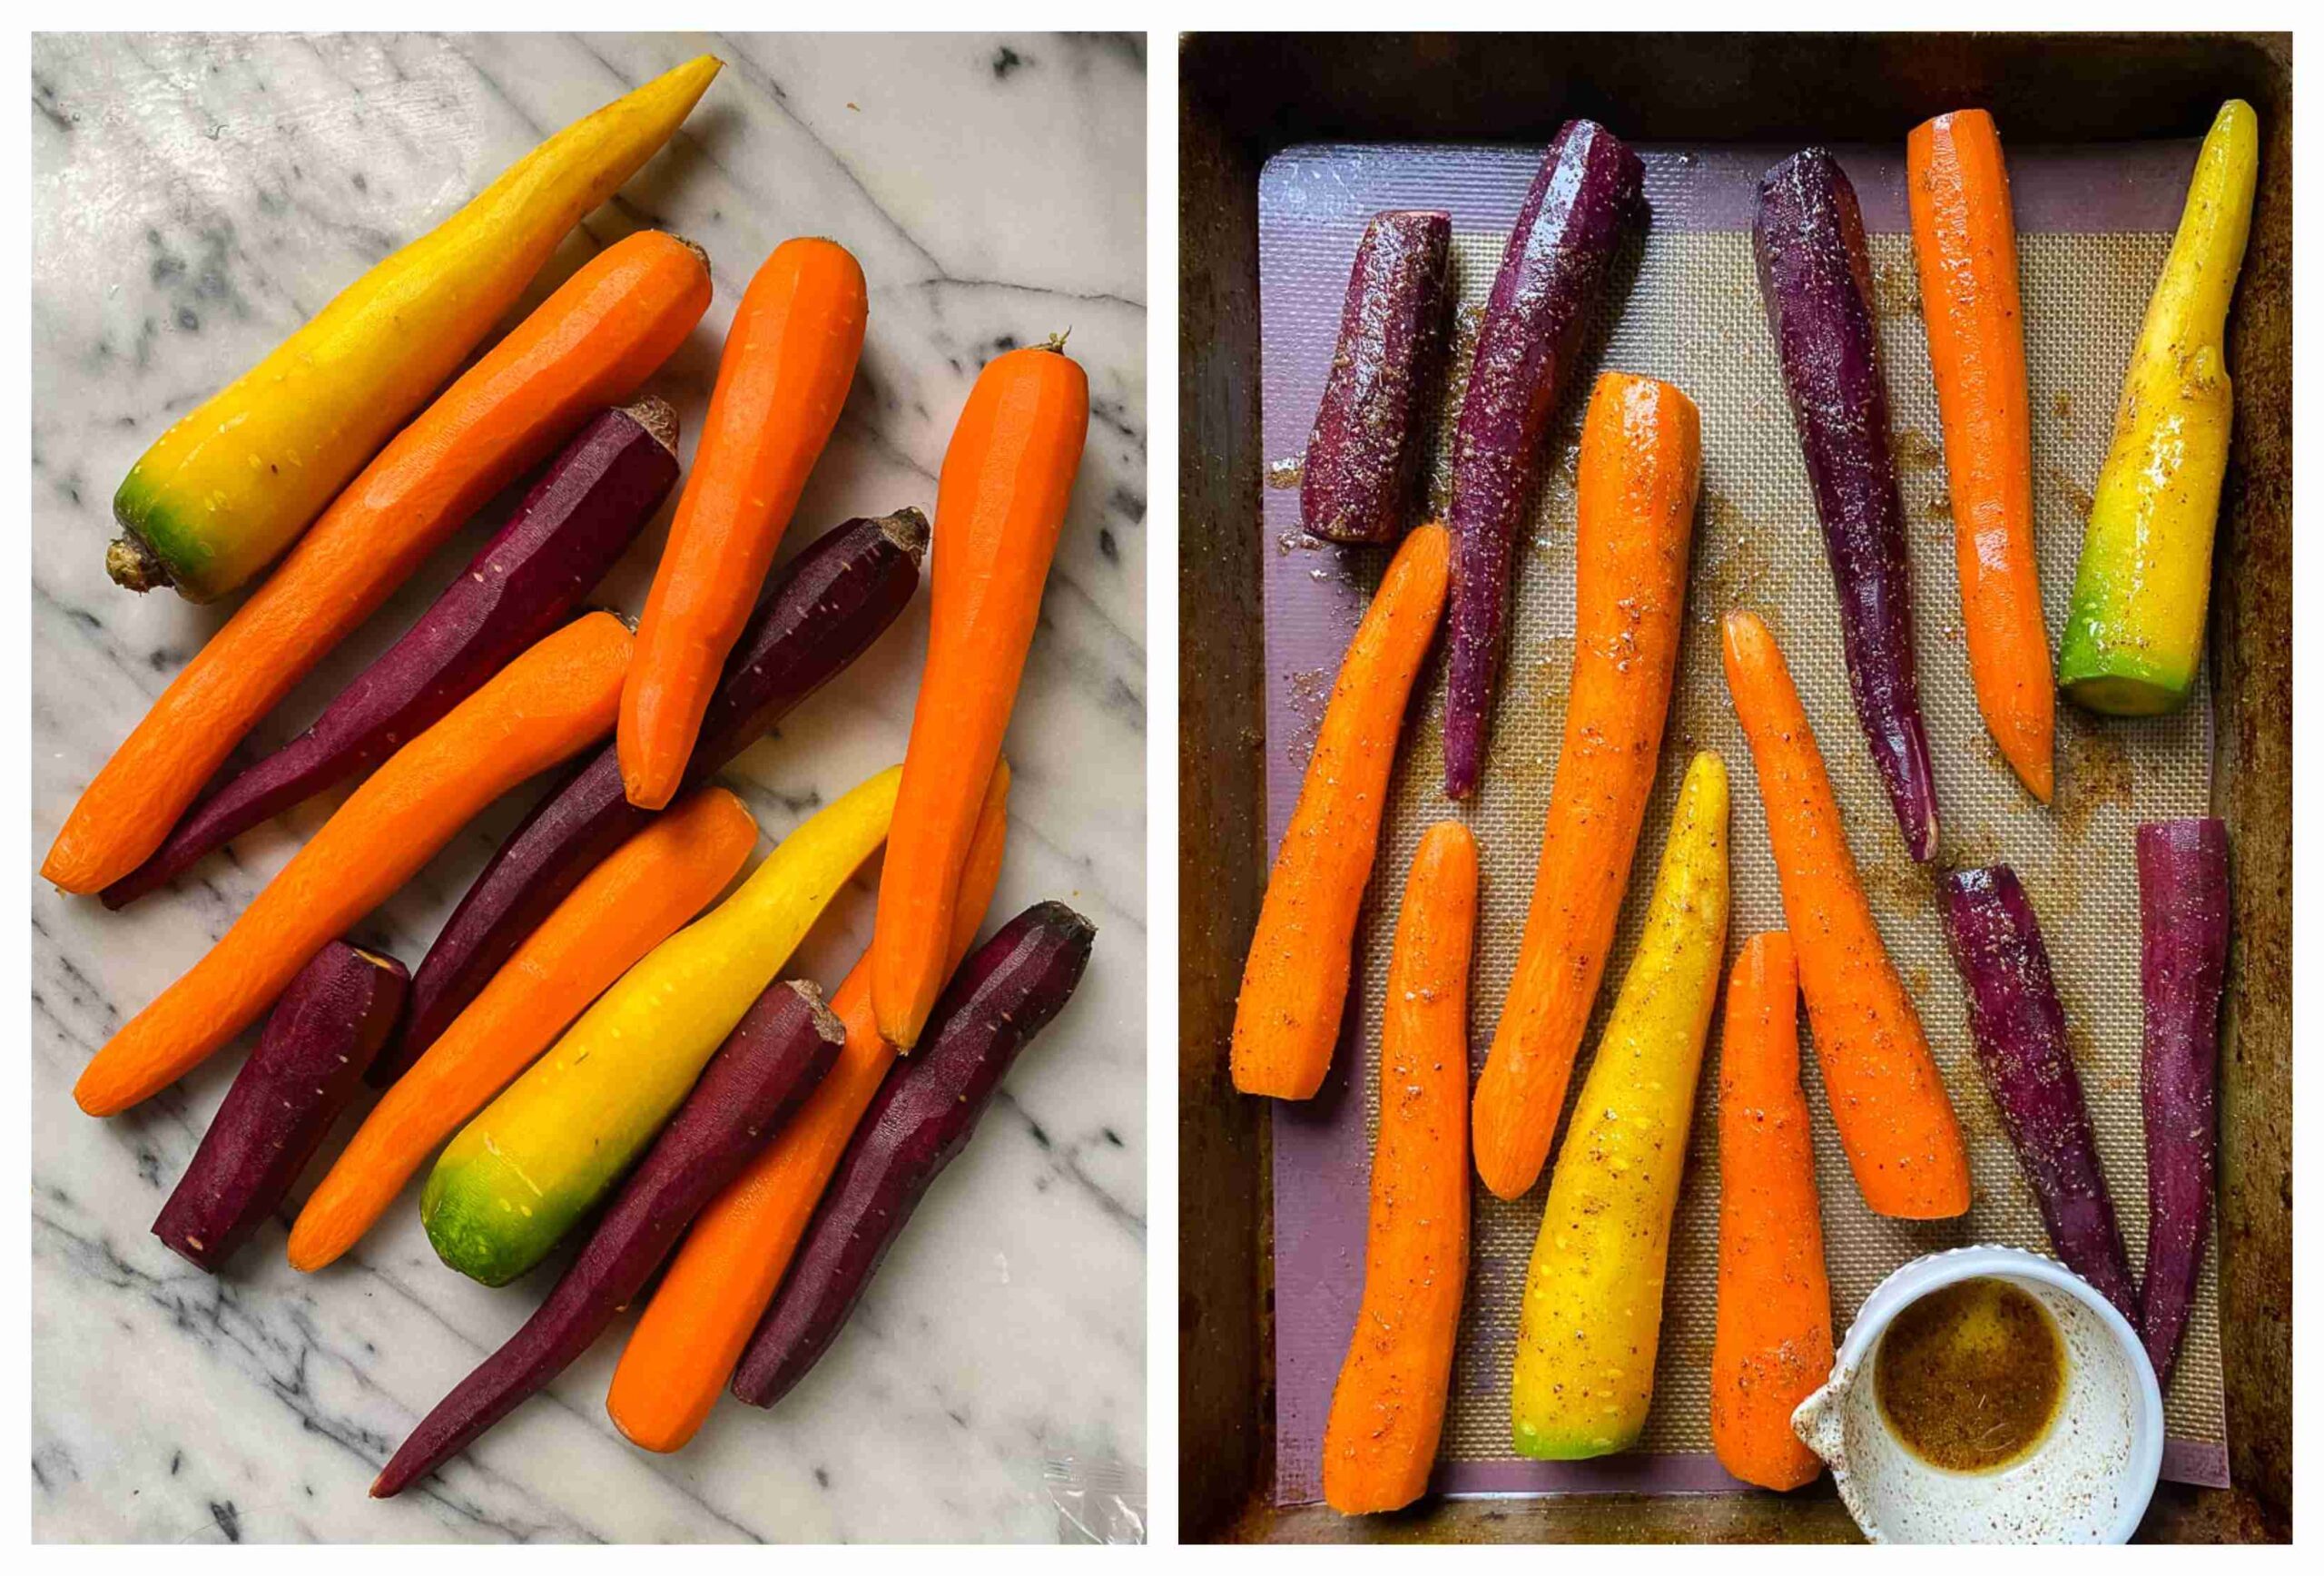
column 2087, row 1481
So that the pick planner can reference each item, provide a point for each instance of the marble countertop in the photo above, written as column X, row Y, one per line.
column 196, row 197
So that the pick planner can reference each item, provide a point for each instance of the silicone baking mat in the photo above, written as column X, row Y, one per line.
column 2094, row 224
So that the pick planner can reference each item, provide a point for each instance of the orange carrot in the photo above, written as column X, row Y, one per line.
column 591, row 343
column 1641, row 462
column 1965, row 240
column 623, row 910
column 725, row 1272
column 790, row 356
column 1388, row 1408
column 1774, row 1341
column 1000, row 503
column 1295, row 981
column 1888, row 1100
column 550, row 702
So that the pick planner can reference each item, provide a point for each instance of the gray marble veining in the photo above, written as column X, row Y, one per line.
column 196, row 197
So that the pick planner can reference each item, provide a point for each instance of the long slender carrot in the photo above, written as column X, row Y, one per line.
column 1888, row 1100
column 1000, row 503
column 1295, row 981
column 1640, row 466
column 623, row 910
column 790, row 356
column 1388, row 1408
column 550, row 702
column 725, row 1272
column 591, row 343
column 1965, row 240
column 1773, row 1345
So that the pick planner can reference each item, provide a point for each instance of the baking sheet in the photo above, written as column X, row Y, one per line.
column 2095, row 225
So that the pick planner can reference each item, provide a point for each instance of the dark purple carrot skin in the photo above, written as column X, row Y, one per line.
column 2020, row 1031
column 2182, row 970
column 1584, row 200
column 827, row 607
column 572, row 527
column 768, row 1066
column 1357, row 485
column 1816, row 284
column 922, row 1117
column 339, row 1010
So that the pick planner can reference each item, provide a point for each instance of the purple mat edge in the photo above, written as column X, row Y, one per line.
column 2203, row 1465
column 1322, row 1165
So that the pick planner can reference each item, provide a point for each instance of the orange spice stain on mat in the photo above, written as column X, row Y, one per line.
column 2097, row 772
column 1286, row 475
column 1915, row 451
column 1896, row 885
column 2080, row 1043
column 1733, row 569
column 1895, row 289
column 1561, row 495
column 2074, row 496
column 1980, row 844
column 1461, row 360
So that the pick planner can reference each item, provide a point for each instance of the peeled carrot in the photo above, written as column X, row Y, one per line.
column 548, row 705
column 1965, row 240
column 790, row 356
column 1772, row 1346
column 1888, row 1100
column 1641, row 463
column 1388, row 1408
column 1295, row 981
column 1000, row 503
column 589, row 345
column 725, row 1272
column 623, row 910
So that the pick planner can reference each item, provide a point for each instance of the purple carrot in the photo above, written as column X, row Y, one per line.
column 773, row 1060
column 1815, row 283
column 1357, row 485
column 922, row 1117
column 1582, row 201
column 572, row 527
column 826, row 607
column 2182, row 969
column 2019, row 1031
column 329, row 1024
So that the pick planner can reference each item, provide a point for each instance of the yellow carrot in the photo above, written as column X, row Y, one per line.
column 234, row 481
column 534, row 1162
column 1592, row 1320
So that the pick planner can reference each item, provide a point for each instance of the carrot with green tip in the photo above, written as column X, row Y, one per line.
column 601, row 334
column 652, row 884
column 2134, row 637
column 233, row 482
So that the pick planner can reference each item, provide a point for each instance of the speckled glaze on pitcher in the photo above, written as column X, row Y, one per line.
column 2086, row 1480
